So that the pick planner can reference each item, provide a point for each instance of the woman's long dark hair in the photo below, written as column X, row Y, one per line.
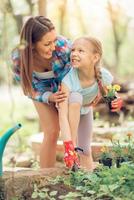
column 32, row 31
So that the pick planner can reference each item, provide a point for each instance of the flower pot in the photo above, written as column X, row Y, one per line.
column 119, row 160
column 106, row 162
column 108, row 100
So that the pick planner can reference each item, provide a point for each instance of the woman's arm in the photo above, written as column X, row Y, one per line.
column 45, row 96
column 49, row 97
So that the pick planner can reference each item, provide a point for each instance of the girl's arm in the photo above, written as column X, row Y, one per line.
column 70, row 157
column 107, row 79
column 63, row 115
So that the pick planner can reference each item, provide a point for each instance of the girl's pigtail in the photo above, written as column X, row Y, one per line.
column 98, row 76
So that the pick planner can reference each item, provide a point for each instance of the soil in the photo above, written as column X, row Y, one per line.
column 61, row 188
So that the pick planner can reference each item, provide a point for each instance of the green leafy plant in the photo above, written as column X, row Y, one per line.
column 129, row 153
column 117, row 149
column 43, row 193
column 70, row 196
column 123, row 152
column 118, row 153
column 105, row 183
column 102, row 184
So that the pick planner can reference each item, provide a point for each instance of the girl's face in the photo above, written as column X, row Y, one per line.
column 46, row 45
column 82, row 54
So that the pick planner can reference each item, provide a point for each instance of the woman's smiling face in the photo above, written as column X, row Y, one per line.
column 46, row 45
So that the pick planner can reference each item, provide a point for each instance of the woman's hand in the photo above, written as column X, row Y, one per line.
column 116, row 104
column 57, row 97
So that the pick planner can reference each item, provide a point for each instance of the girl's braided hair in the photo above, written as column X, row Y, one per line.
column 33, row 30
column 97, row 48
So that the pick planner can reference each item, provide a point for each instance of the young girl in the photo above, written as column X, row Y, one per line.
column 89, row 81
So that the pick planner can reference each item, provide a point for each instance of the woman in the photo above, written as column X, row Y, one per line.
column 40, row 62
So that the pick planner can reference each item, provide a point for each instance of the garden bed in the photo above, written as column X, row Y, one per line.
column 55, row 184
column 106, row 182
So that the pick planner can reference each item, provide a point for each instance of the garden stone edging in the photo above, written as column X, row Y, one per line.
column 18, row 183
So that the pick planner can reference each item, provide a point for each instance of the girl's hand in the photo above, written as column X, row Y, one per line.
column 116, row 104
column 57, row 97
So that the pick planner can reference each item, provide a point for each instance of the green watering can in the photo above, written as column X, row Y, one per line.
column 3, row 141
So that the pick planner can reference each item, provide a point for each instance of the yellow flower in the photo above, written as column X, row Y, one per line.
column 112, row 89
column 116, row 87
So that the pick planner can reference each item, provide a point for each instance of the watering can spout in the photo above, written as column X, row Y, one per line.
column 3, row 141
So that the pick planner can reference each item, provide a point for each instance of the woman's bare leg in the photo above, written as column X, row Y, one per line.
column 48, row 117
